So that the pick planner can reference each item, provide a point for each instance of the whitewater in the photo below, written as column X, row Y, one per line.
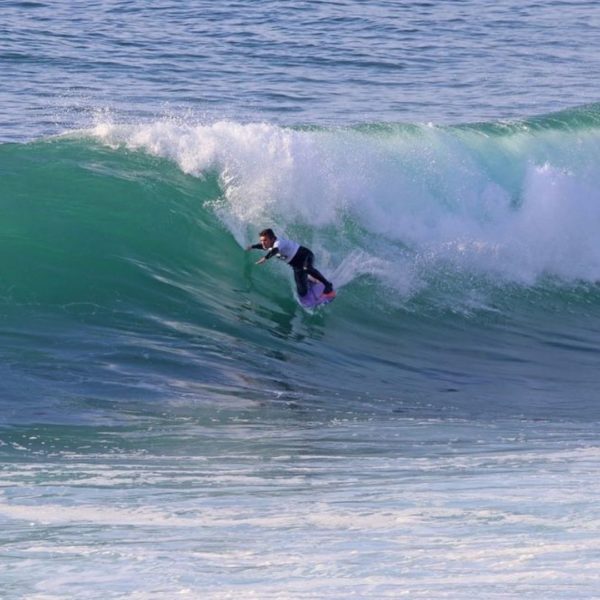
column 174, row 424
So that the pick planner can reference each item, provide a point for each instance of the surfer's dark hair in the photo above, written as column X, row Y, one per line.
column 267, row 233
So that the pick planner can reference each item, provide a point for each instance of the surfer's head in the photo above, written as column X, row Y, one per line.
column 267, row 238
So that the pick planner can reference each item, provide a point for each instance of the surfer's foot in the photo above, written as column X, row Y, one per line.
column 328, row 290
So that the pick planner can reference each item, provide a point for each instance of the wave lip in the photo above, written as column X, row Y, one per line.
column 515, row 203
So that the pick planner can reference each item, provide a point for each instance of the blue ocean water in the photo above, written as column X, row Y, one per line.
column 173, row 423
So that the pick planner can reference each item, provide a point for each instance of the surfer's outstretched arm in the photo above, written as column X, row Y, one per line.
column 267, row 256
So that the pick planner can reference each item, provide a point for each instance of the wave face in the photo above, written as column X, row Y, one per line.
column 466, row 260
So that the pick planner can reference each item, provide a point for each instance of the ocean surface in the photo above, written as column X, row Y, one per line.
column 172, row 422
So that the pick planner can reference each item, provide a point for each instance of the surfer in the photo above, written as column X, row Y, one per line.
column 298, row 257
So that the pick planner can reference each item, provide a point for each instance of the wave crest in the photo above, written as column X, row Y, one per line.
column 515, row 203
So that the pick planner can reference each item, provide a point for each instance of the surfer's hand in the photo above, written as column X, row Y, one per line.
column 248, row 248
column 260, row 261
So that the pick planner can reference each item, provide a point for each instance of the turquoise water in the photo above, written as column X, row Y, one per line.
column 172, row 423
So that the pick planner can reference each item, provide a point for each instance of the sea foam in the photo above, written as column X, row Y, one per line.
column 511, row 205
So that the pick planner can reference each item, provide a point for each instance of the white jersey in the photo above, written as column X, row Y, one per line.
column 286, row 249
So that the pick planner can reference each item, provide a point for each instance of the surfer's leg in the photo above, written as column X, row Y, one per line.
column 314, row 273
column 310, row 270
column 301, row 277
